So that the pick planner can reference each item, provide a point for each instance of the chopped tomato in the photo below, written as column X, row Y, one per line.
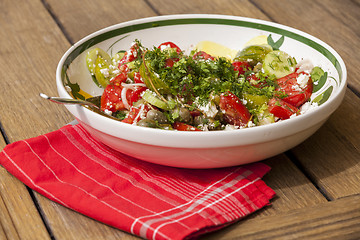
column 130, row 55
column 203, row 55
column 180, row 126
column 137, row 78
column 235, row 112
column 255, row 81
column 241, row 67
column 170, row 62
column 171, row 45
column 136, row 114
column 121, row 77
column 136, row 95
column 111, row 98
column 296, row 94
column 281, row 109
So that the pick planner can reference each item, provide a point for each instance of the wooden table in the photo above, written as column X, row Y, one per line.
column 317, row 183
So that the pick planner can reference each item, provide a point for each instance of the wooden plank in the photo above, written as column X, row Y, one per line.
column 339, row 219
column 319, row 21
column 293, row 189
column 80, row 18
column 68, row 224
column 337, row 139
column 339, row 136
column 242, row 8
column 17, row 208
column 31, row 46
column 7, row 228
column 348, row 12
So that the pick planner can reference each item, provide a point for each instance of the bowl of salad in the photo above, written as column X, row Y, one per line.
column 201, row 91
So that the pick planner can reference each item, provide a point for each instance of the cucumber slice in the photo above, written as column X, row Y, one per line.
column 94, row 57
column 91, row 57
column 118, row 56
column 102, row 72
column 279, row 63
column 265, row 118
column 151, row 98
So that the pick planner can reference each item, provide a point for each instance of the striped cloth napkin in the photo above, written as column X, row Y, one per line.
column 70, row 167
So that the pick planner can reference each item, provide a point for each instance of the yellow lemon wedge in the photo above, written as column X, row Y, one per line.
column 258, row 40
column 216, row 49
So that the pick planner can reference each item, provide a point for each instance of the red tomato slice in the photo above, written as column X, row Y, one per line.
column 129, row 55
column 136, row 95
column 137, row 78
column 180, row 126
column 119, row 79
column 203, row 55
column 170, row 62
column 134, row 114
column 241, row 67
column 111, row 98
column 296, row 95
column 235, row 112
column 122, row 76
column 170, row 44
column 281, row 109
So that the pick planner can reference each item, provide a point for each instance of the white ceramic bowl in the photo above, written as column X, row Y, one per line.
column 201, row 149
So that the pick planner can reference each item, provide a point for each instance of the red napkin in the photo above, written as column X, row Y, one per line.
column 70, row 167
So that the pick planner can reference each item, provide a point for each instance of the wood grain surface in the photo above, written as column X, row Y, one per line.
column 317, row 183
column 333, row 220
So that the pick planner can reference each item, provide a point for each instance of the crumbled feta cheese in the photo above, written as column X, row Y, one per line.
column 230, row 127
column 251, row 124
column 108, row 112
column 292, row 116
column 305, row 65
column 116, row 72
column 296, row 88
column 302, row 80
column 209, row 109
column 308, row 107
column 105, row 72
column 163, row 47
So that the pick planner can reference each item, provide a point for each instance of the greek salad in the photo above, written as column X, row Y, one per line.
column 162, row 87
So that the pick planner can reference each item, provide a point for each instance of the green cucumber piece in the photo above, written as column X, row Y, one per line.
column 279, row 63
column 102, row 65
column 265, row 118
column 94, row 57
column 152, row 98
